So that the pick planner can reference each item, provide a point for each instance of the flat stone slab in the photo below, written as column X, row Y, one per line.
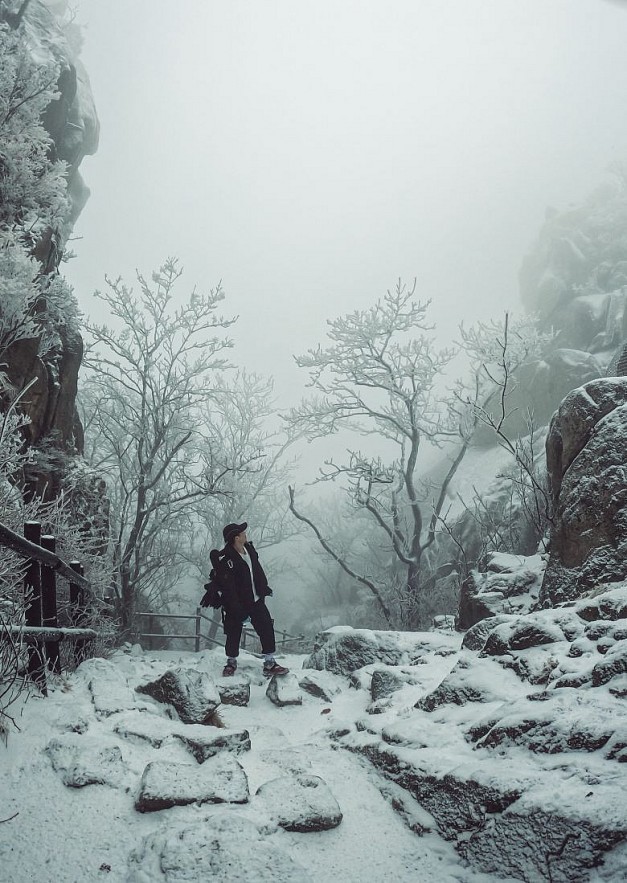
column 221, row 848
column 83, row 760
column 220, row 779
column 284, row 690
column 109, row 689
column 301, row 803
column 205, row 742
column 200, row 740
column 192, row 693
column 144, row 727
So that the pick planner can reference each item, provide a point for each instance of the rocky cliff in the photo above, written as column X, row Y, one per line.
column 45, row 36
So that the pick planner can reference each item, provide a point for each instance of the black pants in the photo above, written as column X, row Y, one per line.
column 262, row 623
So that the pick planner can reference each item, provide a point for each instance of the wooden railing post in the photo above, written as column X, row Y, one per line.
column 32, row 591
column 78, row 611
column 49, row 606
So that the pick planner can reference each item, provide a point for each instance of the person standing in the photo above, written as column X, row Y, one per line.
column 244, row 588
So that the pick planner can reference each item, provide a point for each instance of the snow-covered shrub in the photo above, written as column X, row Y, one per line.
column 32, row 186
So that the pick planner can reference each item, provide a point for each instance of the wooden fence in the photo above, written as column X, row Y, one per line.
column 40, row 630
column 250, row 641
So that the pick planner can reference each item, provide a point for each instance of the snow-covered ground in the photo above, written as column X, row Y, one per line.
column 53, row 833
column 390, row 757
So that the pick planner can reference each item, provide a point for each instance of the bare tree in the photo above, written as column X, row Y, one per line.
column 378, row 379
column 497, row 351
column 247, row 447
column 140, row 405
column 381, row 377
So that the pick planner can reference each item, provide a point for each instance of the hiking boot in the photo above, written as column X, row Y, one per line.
column 229, row 670
column 274, row 669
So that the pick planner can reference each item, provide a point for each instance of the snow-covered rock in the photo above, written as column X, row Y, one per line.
column 342, row 650
column 220, row 779
column 385, row 681
column 300, row 803
column 201, row 741
column 234, row 691
column 322, row 684
column 284, row 690
column 470, row 680
column 144, row 727
column 543, row 686
column 508, row 818
column 193, row 694
column 511, row 584
column 610, row 604
column 586, row 460
column 204, row 742
column 109, row 688
column 83, row 760
column 221, row 848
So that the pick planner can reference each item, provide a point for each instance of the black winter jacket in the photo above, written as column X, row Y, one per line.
column 236, row 585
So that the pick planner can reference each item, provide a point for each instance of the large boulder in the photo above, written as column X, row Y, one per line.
column 342, row 650
column 587, row 464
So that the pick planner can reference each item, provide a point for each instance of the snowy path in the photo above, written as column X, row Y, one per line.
column 79, row 835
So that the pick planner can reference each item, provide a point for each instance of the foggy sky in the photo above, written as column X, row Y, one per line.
column 310, row 152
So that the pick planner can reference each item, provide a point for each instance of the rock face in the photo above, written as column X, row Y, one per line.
column 575, row 275
column 72, row 123
column 587, row 465
column 528, row 791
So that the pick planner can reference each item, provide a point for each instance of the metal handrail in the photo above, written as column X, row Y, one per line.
column 198, row 636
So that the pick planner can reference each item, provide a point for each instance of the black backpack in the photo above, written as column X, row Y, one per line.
column 215, row 586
